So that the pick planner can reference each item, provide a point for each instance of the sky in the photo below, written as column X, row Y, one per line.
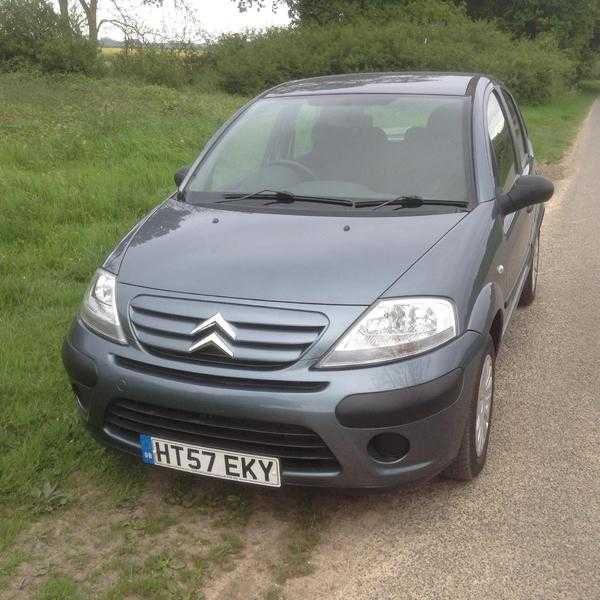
column 212, row 16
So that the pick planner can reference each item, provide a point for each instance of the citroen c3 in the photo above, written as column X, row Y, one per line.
column 322, row 299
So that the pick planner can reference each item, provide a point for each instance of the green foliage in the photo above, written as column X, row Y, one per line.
column 572, row 22
column 575, row 23
column 32, row 34
column 59, row 588
column 25, row 26
column 174, row 67
column 423, row 35
column 48, row 497
column 68, row 53
column 319, row 11
column 590, row 86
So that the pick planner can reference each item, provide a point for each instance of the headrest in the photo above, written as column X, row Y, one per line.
column 445, row 121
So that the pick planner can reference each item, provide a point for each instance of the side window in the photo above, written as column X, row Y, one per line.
column 521, row 138
column 502, row 145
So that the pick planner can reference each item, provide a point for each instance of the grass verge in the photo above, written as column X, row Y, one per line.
column 553, row 126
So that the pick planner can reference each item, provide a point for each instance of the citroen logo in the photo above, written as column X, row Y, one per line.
column 214, row 339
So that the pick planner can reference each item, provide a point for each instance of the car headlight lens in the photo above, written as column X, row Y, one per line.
column 99, row 308
column 394, row 329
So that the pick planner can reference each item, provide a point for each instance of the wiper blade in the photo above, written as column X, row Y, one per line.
column 416, row 201
column 277, row 194
column 288, row 197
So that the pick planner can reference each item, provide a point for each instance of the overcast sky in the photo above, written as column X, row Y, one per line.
column 213, row 16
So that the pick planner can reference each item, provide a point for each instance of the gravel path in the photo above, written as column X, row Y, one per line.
column 530, row 526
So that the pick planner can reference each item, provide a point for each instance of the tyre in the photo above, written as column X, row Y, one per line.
column 529, row 289
column 473, row 450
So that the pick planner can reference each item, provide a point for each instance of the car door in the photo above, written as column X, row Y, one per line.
column 516, row 227
column 524, row 153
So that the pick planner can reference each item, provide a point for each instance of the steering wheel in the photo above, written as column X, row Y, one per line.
column 294, row 165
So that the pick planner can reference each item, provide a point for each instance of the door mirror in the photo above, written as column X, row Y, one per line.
column 180, row 175
column 527, row 190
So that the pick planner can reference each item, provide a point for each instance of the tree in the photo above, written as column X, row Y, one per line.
column 319, row 11
column 573, row 22
column 123, row 20
column 64, row 11
column 32, row 33
column 25, row 27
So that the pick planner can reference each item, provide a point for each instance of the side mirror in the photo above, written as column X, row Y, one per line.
column 180, row 175
column 527, row 190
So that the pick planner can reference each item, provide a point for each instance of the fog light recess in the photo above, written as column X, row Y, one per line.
column 388, row 447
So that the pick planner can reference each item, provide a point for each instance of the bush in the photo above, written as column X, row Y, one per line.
column 422, row 35
column 32, row 34
column 25, row 26
column 590, row 86
column 174, row 67
column 69, row 54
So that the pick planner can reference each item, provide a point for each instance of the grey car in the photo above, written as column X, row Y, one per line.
column 322, row 299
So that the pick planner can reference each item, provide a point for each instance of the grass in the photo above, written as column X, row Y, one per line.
column 80, row 162
column 302, row 537
column 59, row 588
column 553, row 127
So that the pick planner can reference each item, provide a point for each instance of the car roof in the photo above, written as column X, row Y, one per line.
column 426, row 83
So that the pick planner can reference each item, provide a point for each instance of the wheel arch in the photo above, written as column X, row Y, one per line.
column 487, row 314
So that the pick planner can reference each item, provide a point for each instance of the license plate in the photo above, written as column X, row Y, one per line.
column 223, row 464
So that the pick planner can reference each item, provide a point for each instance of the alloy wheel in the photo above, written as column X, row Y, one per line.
column 484, row 404
column 535, row 263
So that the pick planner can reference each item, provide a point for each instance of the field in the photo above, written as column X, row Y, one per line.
column 80, row 161
column 110, row 51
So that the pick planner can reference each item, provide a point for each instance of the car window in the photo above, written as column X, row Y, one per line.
column 521, row 138
column 245, row 154
column 359, row 146
column 502, row 145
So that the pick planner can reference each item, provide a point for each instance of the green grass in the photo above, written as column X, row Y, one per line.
column 80, row 162
column 552, row 127
column 59, row 588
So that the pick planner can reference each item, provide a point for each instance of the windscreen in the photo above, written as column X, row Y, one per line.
column 357, row 146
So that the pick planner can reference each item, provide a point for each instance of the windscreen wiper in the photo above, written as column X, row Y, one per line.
column 416, row 201
column 287, row 197
column 276, row 194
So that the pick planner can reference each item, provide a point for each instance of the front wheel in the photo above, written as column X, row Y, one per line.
column 473, row 450
column 530, row 287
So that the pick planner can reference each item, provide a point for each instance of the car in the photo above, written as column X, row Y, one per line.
column 322, row 299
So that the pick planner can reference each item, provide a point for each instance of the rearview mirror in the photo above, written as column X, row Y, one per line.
column 180, row 175
column 527, row 191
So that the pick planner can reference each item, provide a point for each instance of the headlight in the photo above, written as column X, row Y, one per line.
column 394, row 329
column 99, row 308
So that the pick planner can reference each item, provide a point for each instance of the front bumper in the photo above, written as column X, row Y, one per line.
column 423, row 399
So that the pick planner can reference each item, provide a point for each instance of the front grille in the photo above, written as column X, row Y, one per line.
column 299, row 449
column 265, row 337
